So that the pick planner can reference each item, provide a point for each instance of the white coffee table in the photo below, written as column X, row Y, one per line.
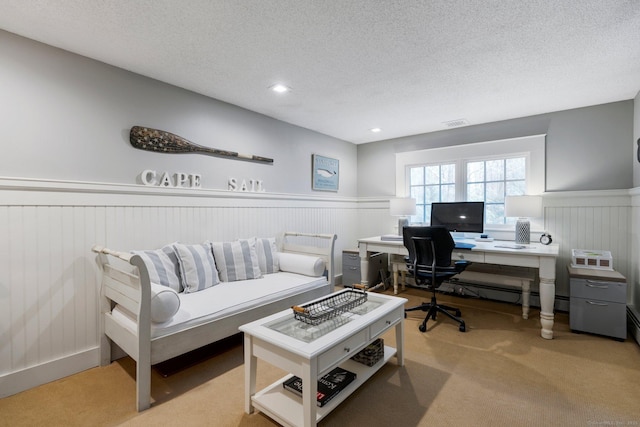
column 311, row 351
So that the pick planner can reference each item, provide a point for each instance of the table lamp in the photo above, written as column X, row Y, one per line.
column 402, row 207
column 523, row 207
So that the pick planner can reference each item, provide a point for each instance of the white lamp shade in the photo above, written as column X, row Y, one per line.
column 405, row 206
column 523, row 206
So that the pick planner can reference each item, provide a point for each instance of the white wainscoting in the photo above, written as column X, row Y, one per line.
column 589, row 220
column 49, row 280
column 576, row 220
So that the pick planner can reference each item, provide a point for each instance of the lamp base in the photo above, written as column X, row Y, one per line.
column 523, row 231
column 402, row 222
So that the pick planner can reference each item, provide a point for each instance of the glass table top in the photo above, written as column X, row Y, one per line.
column 307, row 333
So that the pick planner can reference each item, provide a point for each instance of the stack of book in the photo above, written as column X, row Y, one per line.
column 371, row 354
column 329, row 385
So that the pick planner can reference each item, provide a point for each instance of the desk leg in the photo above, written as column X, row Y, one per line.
column 364, row 265
column 250, row 365
column 526, row 293
column 547, row 296
column 394, row 267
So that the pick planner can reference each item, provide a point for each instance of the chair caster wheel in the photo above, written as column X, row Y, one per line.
column 462, row 328
column 422, row 328
column 405, row 315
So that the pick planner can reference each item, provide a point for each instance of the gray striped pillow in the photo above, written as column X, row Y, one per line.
column 197, row 267
column 267, row 255
column 162, row 265
column 237, row 260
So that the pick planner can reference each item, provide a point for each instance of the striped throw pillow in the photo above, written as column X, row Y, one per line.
column 162, row 265
column 237, row 260
column 267, row 255
column 197, row 267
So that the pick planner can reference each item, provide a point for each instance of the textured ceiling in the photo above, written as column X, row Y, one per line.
column 406, row 66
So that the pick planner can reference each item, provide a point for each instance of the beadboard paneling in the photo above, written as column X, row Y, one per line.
column 49, row 281
column 576, row 220
column 589, row 220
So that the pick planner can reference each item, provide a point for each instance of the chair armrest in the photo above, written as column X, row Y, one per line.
column 461, row 265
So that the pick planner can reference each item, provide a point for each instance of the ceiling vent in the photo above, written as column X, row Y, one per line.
column 456, row 123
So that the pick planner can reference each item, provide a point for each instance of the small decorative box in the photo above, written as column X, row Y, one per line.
column 371, row 354
column 596, row 259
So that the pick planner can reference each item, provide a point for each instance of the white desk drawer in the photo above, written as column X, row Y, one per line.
column 458, row 255
column 344, row 350
column 523, row 260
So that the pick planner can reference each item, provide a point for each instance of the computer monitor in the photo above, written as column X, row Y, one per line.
column 460, row 217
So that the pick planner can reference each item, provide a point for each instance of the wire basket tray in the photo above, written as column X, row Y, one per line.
column 327, row 308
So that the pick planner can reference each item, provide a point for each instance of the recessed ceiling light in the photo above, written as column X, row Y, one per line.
column 456, row 123
column 280, row 88
column 375, row 130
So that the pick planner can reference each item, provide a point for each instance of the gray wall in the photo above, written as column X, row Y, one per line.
column 586, row 148
column 636, row 138
column 66, row 117
column 635, row 291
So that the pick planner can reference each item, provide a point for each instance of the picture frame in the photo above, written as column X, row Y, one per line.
column 325, row 173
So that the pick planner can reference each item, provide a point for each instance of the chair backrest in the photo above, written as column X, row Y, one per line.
column 442, row 242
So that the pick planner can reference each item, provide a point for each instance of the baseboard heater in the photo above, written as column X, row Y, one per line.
column 500, row 293
column 633, row 322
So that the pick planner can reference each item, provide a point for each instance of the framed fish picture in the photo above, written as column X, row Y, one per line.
column 325, row 173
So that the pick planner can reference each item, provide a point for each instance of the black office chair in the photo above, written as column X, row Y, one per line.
column 429, row 262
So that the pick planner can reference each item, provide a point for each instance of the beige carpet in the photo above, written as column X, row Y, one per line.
column 499, row 373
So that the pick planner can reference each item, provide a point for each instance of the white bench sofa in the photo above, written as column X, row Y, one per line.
column 153, row 321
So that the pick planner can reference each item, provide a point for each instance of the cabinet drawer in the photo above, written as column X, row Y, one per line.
column 343, row 350
column 457, row 255
column 386, row 322
column 598, row 317
column 351, row 259
column 599, row 290
column 350, row 275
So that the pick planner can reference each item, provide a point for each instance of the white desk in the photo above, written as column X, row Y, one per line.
column 534, row 255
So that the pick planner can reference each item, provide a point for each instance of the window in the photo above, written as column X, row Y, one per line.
column 491, row 180
column 486, row 172
column 428, row 184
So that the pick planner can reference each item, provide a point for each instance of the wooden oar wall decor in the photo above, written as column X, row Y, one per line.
column 165, row 142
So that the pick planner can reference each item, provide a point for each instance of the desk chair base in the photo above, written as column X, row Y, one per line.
column 432, row 308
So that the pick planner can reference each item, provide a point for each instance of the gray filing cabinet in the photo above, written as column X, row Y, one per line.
column 351, row 267
column 598, row 302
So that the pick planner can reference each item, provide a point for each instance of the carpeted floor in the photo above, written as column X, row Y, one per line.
column 499, row 373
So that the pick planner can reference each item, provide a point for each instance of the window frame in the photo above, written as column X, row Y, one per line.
column 532, row 148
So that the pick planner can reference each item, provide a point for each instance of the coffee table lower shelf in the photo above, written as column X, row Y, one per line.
column 286, row 408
